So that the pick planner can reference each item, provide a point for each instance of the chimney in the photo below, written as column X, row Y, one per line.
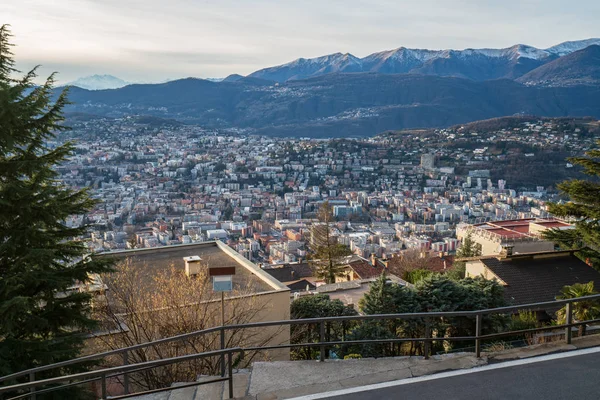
column 373, row 259
column 507, row 251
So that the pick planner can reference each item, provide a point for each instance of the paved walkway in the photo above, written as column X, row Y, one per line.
column 565, row 376
column 289, row 379
column 282, row 380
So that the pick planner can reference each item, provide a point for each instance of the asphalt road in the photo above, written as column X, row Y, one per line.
column 575, row 377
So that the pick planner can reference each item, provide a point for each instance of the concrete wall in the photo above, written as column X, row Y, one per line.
column 532, row 247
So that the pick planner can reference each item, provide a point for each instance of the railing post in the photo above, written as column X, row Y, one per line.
column 222, row 348
column 32, row 390
column 478, row 322
column 125, row 375
column 321, row 340
column 427, row 344
column 104, row 395
column 343, row 347
column 569, row 321
column 230, row 372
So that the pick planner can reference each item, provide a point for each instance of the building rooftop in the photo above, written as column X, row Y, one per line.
column 520, row 228
column 214, row 253
column 539, row 277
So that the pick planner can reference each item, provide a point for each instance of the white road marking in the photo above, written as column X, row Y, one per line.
column 449, row 374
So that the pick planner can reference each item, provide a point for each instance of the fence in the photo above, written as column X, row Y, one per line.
column 322, row 344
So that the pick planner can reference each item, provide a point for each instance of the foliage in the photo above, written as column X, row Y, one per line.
column 352, row 356
column 42, row 315
column 326, row 256
column 581, row 310
column 458, row 271
column 317, row 306
column 387, row 298
column 497, row 347
column 524, row 319
column 383, row 298
column 371, row 330
column 417, row 275
column 219, row 167
column 436, row 293
column 406, row 261
column 468, row 248
column 583, row 206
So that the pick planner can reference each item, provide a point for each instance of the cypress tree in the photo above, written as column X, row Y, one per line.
column 584, row 206
column 42, row 313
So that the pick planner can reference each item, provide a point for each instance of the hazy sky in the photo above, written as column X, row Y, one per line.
column 152, row 40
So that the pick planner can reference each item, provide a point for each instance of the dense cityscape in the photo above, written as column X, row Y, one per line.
column 161, row 184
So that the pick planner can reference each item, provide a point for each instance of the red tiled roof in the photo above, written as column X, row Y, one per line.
column 365, row 270
column 437, row 264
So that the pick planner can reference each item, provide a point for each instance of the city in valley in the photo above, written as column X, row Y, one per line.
column 162, row 183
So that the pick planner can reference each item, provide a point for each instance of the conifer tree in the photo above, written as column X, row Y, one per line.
column 327, row 255
column 42, row 316
column 584, row 206
column 468, row 248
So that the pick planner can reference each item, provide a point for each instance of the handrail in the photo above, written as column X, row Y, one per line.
column 121, row 369
column 425, row 315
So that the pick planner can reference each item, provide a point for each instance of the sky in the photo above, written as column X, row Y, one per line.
column 156, row 40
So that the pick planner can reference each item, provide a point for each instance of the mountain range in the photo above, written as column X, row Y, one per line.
column 103, row 82
column 366, row 103
column 476, row 64
column 99, row 82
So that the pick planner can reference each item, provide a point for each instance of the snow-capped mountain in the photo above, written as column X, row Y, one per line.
column 99, row 82
column 477, row 64
column 581, row 67
column 570, row 47
column 308, row 67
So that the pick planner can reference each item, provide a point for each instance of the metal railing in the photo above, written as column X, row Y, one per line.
column 427, row 340
column 104, row 374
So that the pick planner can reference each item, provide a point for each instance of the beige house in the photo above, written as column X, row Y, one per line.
column 256, row 286
column 519, row 236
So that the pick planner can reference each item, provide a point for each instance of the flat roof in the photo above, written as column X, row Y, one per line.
column 152, row 260
column 519, row 228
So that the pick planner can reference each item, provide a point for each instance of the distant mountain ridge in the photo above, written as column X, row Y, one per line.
column 475, row 64
column 99, row 82
column 578, row 68
column 403, row 88
column 341, row 104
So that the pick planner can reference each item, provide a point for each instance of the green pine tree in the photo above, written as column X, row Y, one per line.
column 381, row 298
column 584, row 206
column 42, row 316
column 327, row 256
column 468, row 248
column 317, row 306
